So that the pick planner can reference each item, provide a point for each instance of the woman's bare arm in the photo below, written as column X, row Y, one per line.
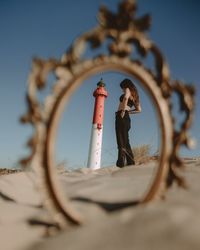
column 127, row 94
column 137, row 110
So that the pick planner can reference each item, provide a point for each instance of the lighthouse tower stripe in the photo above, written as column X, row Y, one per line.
column 100, row 94
column 94, row 159
column 99, row 111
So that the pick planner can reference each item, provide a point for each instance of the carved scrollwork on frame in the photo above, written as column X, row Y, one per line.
column 123, row 34
column 185, row 95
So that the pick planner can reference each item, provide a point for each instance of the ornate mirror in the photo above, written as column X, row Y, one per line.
column 127, row 46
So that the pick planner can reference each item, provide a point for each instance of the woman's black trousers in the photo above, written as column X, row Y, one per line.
column 122, row 127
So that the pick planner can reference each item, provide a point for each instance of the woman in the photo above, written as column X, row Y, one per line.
column 128, row 100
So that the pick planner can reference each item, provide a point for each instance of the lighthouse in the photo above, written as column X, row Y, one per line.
column 94, row 157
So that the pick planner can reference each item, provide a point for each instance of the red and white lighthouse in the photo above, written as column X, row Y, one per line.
column 94, row 157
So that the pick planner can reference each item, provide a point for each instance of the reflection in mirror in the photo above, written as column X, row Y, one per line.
column 73, row 138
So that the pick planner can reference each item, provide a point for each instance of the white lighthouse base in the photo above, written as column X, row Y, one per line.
column 94, row 157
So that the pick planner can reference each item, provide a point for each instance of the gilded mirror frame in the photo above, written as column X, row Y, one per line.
column 123, row 34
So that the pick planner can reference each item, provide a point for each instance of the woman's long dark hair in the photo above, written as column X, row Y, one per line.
column 127, row 83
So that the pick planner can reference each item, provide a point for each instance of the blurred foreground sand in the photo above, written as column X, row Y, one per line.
column 170, row 224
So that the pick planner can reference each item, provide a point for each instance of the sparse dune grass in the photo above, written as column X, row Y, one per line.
column 141, row 153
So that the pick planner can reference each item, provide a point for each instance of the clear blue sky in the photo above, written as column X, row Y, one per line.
column 46, row 28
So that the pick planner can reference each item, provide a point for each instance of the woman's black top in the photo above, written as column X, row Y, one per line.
column 130, row 102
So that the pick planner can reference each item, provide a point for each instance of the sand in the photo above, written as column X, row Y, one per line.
column 170, row 224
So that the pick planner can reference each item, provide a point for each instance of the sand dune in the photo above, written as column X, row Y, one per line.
column 170, row 224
